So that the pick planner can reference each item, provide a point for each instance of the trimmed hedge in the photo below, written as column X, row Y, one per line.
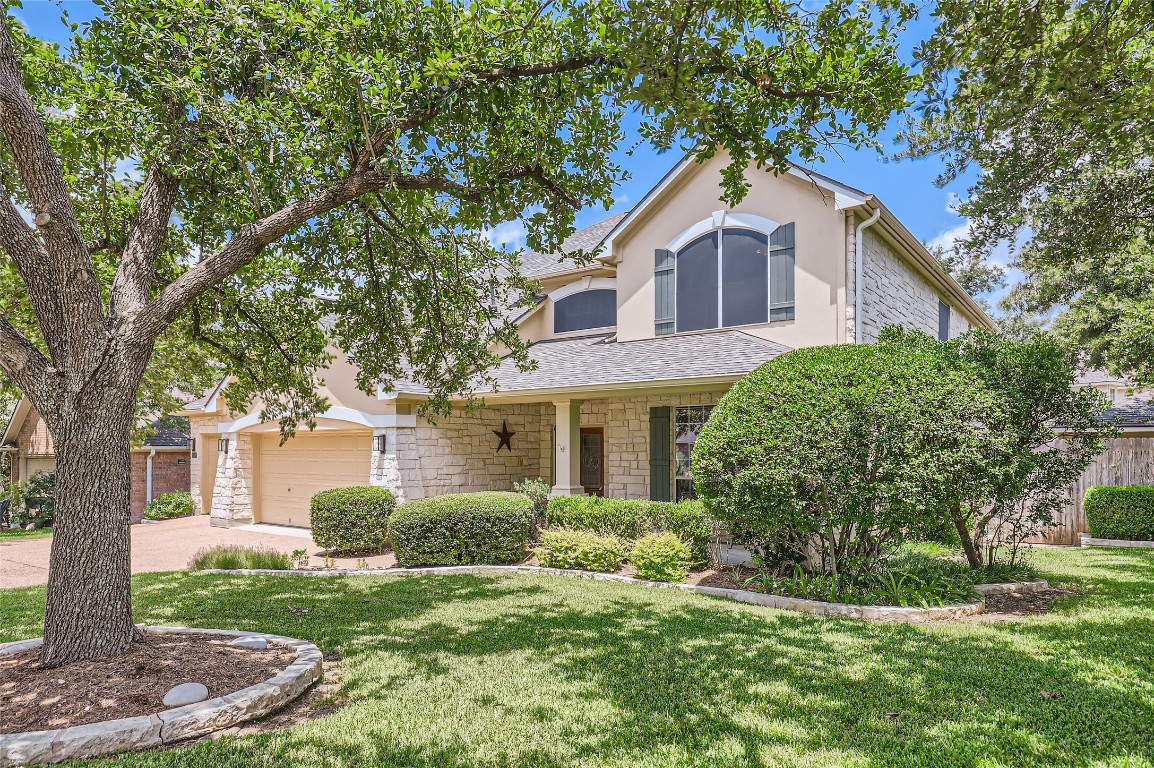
column 169, row 505
column 661, row 557
column 580, row 550
column 462, row 529
column 351, row 519
column 1120, row 512
column 631, row 519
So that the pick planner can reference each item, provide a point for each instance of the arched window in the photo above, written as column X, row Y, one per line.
column 584, row 310
column 726, row 277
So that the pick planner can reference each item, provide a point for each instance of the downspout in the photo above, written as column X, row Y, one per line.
column 857, row 274
column 148, row 478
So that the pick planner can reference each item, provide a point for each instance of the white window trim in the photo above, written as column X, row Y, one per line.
column 723, row 220
column 587, row 283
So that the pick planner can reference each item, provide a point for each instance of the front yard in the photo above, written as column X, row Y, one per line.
column 459, row 672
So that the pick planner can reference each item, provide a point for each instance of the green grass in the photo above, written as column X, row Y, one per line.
column 20, row 533
column 540, row 672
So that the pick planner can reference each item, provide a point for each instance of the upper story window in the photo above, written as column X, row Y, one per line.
column 943, row 321
column 726, row 277
column 584, row 310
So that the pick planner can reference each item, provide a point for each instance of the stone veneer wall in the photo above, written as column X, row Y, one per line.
column 458, row 454
column 626, row 424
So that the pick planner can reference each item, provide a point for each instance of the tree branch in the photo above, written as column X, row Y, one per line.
column 32, row 262
column 21, row 360
column 134, row 274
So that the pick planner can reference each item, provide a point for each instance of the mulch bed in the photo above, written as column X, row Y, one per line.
column 34, row 699
column 1014, row 605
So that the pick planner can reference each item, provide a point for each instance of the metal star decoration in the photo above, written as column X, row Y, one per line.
column 506, row 437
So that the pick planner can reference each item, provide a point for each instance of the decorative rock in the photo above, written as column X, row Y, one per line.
column 185, row 693
column 255, row 643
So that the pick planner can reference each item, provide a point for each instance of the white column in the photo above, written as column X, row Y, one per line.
column 568, row 448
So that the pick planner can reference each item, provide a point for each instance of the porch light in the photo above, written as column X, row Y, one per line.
column 222, row 446
column 382, row 443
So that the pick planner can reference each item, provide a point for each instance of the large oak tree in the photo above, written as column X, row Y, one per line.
column 204, row 180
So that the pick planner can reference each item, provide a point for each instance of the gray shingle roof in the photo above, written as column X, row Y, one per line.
column 534, row 264
column 601, row 360
column 1138, row 412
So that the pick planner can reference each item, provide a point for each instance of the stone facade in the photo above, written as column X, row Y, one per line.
column 232, row 489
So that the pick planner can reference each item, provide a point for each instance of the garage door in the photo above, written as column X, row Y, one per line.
column 46, row 464
column 288, row 475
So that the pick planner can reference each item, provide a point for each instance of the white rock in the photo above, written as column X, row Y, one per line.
column 185, row 693
column 255, row 643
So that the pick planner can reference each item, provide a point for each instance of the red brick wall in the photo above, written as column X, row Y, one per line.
column 168, row 474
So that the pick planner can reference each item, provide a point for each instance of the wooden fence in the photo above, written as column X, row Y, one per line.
column 1126, row 461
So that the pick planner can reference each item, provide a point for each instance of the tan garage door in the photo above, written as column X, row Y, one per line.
column 288, row 475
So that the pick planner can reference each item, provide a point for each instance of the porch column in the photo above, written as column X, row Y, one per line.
column 568, row 448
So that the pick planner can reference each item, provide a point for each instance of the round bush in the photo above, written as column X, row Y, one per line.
column 661, row 557
column 351, row 519
column 581, row 550
column 1120, row 512
column 462, row 529
column 826, row 440
column 166, row 506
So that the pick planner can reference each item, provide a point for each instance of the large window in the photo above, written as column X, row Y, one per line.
column 687, row 423
column 584, row 310
column 725, row 278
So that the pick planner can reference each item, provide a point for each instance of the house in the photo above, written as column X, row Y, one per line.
column 160, row 465
column 684, row 297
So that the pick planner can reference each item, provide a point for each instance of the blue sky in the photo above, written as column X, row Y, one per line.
column 906, row 186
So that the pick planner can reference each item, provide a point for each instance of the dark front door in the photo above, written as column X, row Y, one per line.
column 593, row 460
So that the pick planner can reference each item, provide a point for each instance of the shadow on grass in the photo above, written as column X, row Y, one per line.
column 463, row 672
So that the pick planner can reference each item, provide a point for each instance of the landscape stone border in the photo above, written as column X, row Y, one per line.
column 1089, row 541
column 172, row 725
column 880, row 613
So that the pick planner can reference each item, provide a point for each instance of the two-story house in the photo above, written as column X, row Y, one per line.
column 685, row 296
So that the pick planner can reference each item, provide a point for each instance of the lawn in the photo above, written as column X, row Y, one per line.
column 459, row 672
column 20, row 533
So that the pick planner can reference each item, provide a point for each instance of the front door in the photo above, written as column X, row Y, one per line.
column 593, row 460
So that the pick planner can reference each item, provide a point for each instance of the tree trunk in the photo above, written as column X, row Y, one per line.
column 973, row 555
column 89, row 612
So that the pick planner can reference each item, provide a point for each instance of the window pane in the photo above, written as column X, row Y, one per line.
column 943, row 321
column 587, row 309
column 745, row 277
column 697, row 284
column 687, row 423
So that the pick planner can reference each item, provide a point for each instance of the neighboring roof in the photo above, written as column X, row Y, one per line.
column 204, row 401
column 169, row 433
column 535, row 264
column 601, row 361
column 1097, row 377
column 1138, row 412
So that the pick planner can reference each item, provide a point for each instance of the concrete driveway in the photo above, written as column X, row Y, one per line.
column 168, row 546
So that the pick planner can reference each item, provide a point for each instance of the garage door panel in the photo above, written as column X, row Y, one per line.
column 288, row 475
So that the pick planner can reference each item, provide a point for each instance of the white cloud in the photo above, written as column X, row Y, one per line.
column 509, row 235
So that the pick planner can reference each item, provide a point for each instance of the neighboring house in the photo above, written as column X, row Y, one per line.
column 160, row 465
column 685, row 296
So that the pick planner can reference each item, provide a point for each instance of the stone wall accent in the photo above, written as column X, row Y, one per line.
column 170, row 472
column 893, row 293
column 169, row 726
column 626, row 424
column 458, row 453
column 232, row 493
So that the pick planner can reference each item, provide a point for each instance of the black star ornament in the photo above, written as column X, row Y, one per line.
column 505, row 436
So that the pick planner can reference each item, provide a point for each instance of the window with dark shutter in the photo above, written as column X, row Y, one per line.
column 586, row 309
column 660, row 454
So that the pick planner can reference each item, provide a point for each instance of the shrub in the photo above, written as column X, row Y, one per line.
column 537, row 490
column 1120, row 512
column 631, row 519
column 462, row 529
column 33, row 500
column 351, row 519
column 166, row 506
column 581, row 550
column 661, row 557
column 233, row 557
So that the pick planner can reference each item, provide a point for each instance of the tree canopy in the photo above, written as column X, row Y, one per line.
column 1048, row 101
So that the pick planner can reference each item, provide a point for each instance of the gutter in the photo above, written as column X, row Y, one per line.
column 148, row 478
column 857, row 275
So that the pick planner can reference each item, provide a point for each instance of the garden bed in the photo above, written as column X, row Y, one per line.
column 60, row 714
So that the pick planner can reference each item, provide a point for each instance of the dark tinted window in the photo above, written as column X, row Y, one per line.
column 697, row 284
column 943, row 321
column 745, row 277
column 587, row 309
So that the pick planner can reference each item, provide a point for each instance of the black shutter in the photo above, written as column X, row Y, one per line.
column 664, row 285
column 660, row 454
column 781, row 267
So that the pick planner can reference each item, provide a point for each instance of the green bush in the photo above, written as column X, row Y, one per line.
column 33, row 501
column 351, row 519
column 661, row 557
column 633, row 518
column 233, row 557
column 166, row 506
column 1120, row 512
column 581, row 550
column 462, row 529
